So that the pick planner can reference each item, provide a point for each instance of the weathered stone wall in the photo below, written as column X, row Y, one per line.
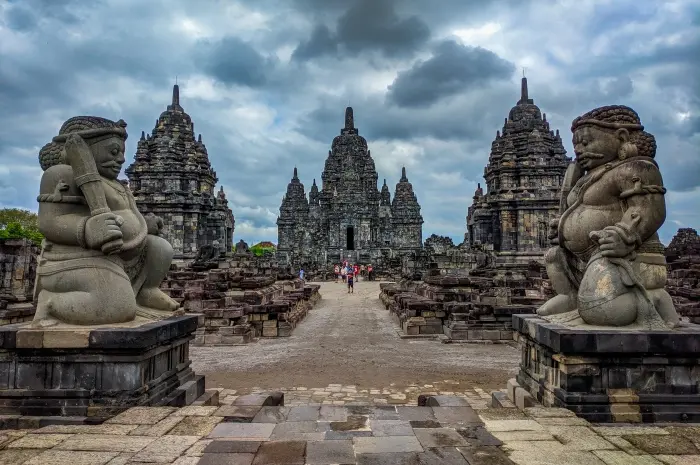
column 476, row 307
column 683, row 257
column 18, row 263
column 244, row 298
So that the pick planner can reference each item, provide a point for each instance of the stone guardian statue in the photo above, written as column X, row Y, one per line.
column 607, row 265
column 101, row 262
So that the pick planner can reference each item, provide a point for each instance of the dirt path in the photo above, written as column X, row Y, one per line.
column 351, row 339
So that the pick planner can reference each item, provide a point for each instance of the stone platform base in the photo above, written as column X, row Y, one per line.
column 611, row 376
column 96, row 372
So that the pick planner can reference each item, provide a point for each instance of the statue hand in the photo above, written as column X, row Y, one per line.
column 102, row 229
column 75, row 144
column 154, row 223
column 611, row 243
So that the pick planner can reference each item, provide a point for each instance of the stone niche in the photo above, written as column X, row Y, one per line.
column 91, row 373
column 611, row 375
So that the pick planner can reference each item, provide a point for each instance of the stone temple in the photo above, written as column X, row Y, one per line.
column 523, row 179
column 348, row 218
column 172, row 177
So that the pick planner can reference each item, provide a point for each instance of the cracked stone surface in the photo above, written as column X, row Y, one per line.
column 367, row 434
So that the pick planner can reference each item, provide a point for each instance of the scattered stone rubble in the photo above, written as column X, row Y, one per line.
column 474, row 307
column 241, row 300
column 683, row 258
column 18, row 262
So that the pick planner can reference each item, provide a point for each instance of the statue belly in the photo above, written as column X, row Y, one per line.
column 131, row 226
column 584, row 220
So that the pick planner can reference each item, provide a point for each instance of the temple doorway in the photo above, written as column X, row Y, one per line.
column 350, row 238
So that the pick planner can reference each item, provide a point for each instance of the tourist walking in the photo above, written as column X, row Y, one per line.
column 344, row 273
column 301, row 274
column 351, row 286
column 370, row 272
column 356, row 271
column 336, row 270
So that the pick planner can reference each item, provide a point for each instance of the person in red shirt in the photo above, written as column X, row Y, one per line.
column 356, row 270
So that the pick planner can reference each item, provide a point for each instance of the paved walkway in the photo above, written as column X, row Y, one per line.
column 351, row 339
column 453, row 433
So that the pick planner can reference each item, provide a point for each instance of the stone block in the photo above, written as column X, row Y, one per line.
column 523, row 399
column 611, row 376
column 97, row 372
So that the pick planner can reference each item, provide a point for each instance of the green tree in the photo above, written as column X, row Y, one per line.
column 16, row 223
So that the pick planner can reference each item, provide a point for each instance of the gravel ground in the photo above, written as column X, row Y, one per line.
column 351, row 339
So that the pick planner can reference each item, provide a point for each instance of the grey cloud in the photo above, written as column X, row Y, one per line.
column 234, row 61
column 454, row 68
column 321, row 42
column 621, row 86
column 368, row 25
column 474, row 115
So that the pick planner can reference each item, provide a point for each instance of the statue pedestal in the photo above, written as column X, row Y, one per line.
column 95, row 372
column 609, row 375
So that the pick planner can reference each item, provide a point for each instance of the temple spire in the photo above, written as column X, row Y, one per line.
column 176, row 95
column 403, row 174
column 349, row 118
column 523, row 90
column 296, row 176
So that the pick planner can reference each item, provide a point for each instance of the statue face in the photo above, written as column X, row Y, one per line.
column 595, row 146
column 109, row 156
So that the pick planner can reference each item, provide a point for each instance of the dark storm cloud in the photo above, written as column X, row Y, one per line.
column 24, row 15
column 368, row 25
column 453, row 68
column 476, row 114
column 233, row 61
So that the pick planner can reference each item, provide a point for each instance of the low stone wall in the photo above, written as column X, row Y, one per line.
column 236, row 309
column 478, row 308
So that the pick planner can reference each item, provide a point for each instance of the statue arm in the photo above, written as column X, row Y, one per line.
column 63, row 211
column 65, row 229
column 642, row 194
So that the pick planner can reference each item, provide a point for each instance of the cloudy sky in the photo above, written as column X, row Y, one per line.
column 266, row 83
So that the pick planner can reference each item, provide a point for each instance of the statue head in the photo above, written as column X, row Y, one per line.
column 105, row 138
column 610, row 133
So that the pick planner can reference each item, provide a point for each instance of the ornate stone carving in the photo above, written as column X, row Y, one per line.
column 607, row 265
column 523, row 177
column 172, row 177
column 347, row 217
column 101, row 261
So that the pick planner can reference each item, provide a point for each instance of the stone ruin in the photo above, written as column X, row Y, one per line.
column 18, row 262
column 245, row 297
column 474, row 307
column 683, row 259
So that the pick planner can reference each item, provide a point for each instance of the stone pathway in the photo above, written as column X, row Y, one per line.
column 451, row 430
column 352, row 339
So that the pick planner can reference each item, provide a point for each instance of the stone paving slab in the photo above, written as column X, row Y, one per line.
column 354, row 433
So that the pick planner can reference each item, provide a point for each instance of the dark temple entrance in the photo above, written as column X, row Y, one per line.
column 350, row 238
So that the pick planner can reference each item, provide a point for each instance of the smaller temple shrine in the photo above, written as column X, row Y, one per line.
column 172, row 177
column 523, row 180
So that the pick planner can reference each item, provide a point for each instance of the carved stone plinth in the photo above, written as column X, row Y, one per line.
column 96, row 372
column 611, row 375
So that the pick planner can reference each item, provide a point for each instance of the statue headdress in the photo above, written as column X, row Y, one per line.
column 615, row 117
column 88, row 127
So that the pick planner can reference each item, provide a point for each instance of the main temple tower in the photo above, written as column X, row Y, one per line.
column 348, row 218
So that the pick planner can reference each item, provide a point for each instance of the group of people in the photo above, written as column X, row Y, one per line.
column 351, row 273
